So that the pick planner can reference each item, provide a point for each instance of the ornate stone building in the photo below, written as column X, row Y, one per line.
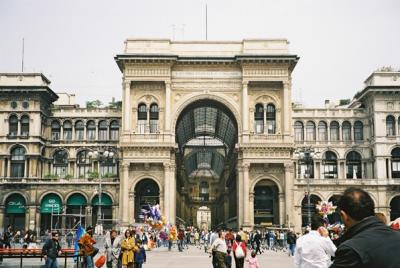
column 205, row 126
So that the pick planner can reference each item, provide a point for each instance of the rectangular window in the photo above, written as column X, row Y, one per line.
column 153, row 126
column 60, row 171
column 67, row 135
column 91, row 134
column 330, row 171
column 114, row 134
column 259, row 126
column 103, row 134
column 79, row 135
column 141, row 126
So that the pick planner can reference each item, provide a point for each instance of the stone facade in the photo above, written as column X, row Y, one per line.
column 159, row 157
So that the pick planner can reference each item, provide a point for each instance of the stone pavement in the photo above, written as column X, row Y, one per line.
column 162, row 258
column 196, row 258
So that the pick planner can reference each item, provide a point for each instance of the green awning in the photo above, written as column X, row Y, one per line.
column 51, row 203
column 76, row 200
column 15, row 204
column 105, row 200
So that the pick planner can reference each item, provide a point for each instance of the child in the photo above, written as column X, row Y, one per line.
column 140, row 255
column 253, row 262
column 228, row 258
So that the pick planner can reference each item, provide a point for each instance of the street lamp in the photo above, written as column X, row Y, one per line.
column 306, row 156
column 101, row 157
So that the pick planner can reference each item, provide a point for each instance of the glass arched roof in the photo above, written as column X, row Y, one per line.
column 206, row 133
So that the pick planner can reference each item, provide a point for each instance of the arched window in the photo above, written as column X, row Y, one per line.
column 310, row 131
column 353, row 165
column 204, row 191
column 154, row 118
column 259, row 119
column 334, row 128
column 91, row 130
column 302, row 170
column 55, row 130
column 108, row 167
column 322, row 131
column 13, row 125
column 298, row 131
column 84, row 164
column 79, row 130
column 142, row 118
column 25, row 125
column 390, row 126
column 67, row 130
column 60, row 163
column 330, row 165
column 358, row 131
column 271, row 119
column 18, row 162
column 103, row 130
column 346, row 131
column 114, row 130
column 396, row 163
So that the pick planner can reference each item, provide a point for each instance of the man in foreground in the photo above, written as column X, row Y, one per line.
column 314, row 249
column 367, row 241
column 50, row 251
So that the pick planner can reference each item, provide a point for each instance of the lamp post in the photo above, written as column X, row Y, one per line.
column 306, row 156
column 100, row 156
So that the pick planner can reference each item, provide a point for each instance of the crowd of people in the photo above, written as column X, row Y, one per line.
column 365, row 241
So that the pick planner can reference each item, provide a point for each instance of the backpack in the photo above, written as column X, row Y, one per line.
column 239, row 253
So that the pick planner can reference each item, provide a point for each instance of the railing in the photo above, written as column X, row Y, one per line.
column 22, row 254
column 202, row 199
column 24, row 180
column 340, row 181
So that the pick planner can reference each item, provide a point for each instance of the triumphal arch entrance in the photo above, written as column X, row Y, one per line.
column 206, row 130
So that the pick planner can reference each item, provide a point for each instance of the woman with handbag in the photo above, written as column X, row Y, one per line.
column 128, row 248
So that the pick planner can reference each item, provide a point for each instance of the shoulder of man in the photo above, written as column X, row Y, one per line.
column 346, row 256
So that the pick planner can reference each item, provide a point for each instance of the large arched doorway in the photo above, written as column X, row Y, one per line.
column 147, row 192
column 50, row 212
column 307, row 210
column 395, row 208
column 15, row 208
column 105, row 214
column 206, row 133
column 266, row 203
column 76, row 207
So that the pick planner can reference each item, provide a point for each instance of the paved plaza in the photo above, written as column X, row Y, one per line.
column 162, row 258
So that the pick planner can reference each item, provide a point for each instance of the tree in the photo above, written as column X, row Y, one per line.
column 115, row 104
column 93, row 104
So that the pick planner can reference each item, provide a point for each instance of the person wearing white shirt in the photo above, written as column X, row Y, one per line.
column 315, row 249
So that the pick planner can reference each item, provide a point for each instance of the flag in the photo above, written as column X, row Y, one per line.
column 80, row 231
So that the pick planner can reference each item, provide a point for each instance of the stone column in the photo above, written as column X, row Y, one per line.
column 246, row 194
column 172, row 189
column 281, row 208
column 63, row 219
column 126, row 115
column 124, row 194
column 131, row 207
column 289, row 193
column 287, row 108
column 245, row 108
column 239, row 194
column 161, row 198
column 166, row 211
column 389, row 167
column 251, row 208
column 37, row 215
column 167, row 118
column 2, row 211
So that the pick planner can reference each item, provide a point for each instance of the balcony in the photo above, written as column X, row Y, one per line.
column 37, row 180
column 348, row 182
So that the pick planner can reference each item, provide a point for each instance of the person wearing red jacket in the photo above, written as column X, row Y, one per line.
column 239, row 251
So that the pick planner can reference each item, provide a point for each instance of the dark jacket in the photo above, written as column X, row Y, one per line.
column 140, row 255
column 369, row 243
column 51, row 248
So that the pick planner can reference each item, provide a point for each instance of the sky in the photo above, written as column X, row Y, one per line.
column 73, row 42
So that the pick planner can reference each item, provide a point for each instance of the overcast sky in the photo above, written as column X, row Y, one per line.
column 73, row 42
